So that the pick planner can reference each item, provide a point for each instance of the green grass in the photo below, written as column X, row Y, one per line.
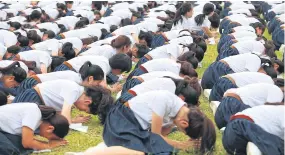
column 81, row 141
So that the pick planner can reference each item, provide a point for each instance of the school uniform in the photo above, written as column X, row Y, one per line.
column 237, row 80
column 261, row 125
column 172, row 34
column 40, row 57
column 6, row 63
column 85, row 13
column 184, row 24
column 52, row 93
column 111, row 20
column 185, row 40
column 82, row 33
column 195, row 27
column 49, row 26
column 105, row 50
column 247, row 62
column 227, row 45
column 138, row 118
column 8, row 38
column 122, row 13
column 46, row 46
column 246, row 97
column 68, row 21
column 12, row 119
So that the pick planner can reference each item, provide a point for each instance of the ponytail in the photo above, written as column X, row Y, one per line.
column 194, row 83
column 15, row 25
column 189, row 57
column 186, row 7
column 15, row 70
column 59, row 122
column 187, row 69
column 199, row 19
column 88, row 69
column 68, row 51
column 207, row 10
column 267, row 66
column 270, row 49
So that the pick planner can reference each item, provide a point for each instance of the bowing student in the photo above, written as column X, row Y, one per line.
column 19, row 123
column 262, row 125
column 182, row 16
column 247, row 62
column 63, row 94
column 236, row 80
column 238, row 99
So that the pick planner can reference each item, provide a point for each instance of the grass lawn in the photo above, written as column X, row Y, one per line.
column 81, row 141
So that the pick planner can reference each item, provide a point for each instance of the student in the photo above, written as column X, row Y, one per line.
column 34, row 17
column 19, row 123
column 48, row 35
column 181, row 20
column 236, row 80
column 278, row 65
column 8, row 38
column 69, row 11
column 145, row 38
column 162, row 111
column 262, row 125
column 23, row 42
column 89, row 75
column 259, row 47
column 247, row 62
column 12, row 51
column 11, row 26
column 239, row 99
column 181, row 87
column 138, row 51
column 63, row 94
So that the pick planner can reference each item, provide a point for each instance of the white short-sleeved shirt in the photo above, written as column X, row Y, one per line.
column 171, row 51
column 185, row 24
column 6, row 63
column 172, row 34
column 244, row 33
column 245, row 78
column 155, row 84
column 76, row 42
column 65, row 75
column 3, row 15
column 100, row 26
column 246, row 38
column 194, row 27
column 162, row 65
column 83, row 33
column 111, row 20
column 40, row 57
column 127, row 30
column 122, row 13
column 56, row 92
column 49, row 26
column 68, row 21
column 2, row 50
column 154, row 20
column 247, row 20
column 163, row 103
column 4, row 25
column 244, row 28
column 50, row 46
column 185, row 40
column 13, row 117
column 157, row 14
column 85, row 13
column 269, row 117
column 239, row 11
column 244, row 62
column 105, row 50
column 250, row 46
column 8, row 38
column 259, row 94
column 101, row 61
column 159, row 74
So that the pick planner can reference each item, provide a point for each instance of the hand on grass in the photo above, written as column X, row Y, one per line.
column 81, row 119
column 57, row 143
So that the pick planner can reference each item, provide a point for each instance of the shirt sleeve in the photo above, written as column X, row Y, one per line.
column 253, row 65
column 73, row 93
column 32, row 119
column 159, row 105
column 274, row 95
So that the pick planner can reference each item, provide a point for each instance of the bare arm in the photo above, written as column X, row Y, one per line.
column 66, row 111
column 43, row 68
column 208, row 32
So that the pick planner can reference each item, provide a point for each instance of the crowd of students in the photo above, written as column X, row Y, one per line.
column 63, row 54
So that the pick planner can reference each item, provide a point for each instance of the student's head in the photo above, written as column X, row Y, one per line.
column 62, row 28
column 81, row 23
column 125, row 22
column 33, row 37
column 196, row 125
column 269, row 48
column 48, row 35
column 34, row 16
column 97, row 15
column 67, row 51
column 189, row 57
column 120, row 63
column 113, row 28
column 22, row 40
column 122, row 44
column 14, row 25
column 139, row 50
column 97, row 5
column 278, row 65
column 208, row 10
column 89, row 40
column 145, row 38
column 56, row 61
column 91, row 75
column 215, row 20
column 185, row 10
column 259, row 28
column 12, row 75
column 187, row 69
column 200, row 41
column 3, row 98
column 11, row 51
column 198, row 51
column 34, row 3
column 54, row 126
column 61, row 7
column 267, row 68
column 135, row 16
column 279, row 82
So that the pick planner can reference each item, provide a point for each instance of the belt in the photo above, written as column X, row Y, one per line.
column 127, row 104
column 68, row 65
column 148, row 57
column 62, row 36
column 224, row 62
column 233, row 47
column 231, row 79
column 132, row 92
column 39, row 93
column 234, row 96
column 241, row 116
column 139, row 78
column 143, row 69
column 36, row 78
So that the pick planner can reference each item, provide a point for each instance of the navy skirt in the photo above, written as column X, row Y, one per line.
column 226, row 46
column 12, row 145
column 123, row 129
column 213, row 73
column 28, row 83
column 228, row 107
column 137, row 72
column 111, row 78
column 223, row 40
column 141, row 61
column 29, row 95
column 130, row 84
column 229, row 52
column 220, row 87
column 62, row 67
column 125, row 97
column 157, row 41
column 241, row 131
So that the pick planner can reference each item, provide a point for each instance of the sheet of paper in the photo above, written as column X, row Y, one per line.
column 42, row 151
column 78, row 127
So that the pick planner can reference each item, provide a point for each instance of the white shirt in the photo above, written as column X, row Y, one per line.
column 171, row 51
column 40, row 57
column 6, row 63
column 185, row 40
column 155, row 84
column 57, row 92
column 239, row 11
column 105, row 50
column 182, row 25
column 161, row 102
column 159, row 74
column 154, row 20
column 13, row 117
column 4, row 25
column 244, row 62
column 162, row 65
column 8, row 38
column 65, row 75
column 245, row 78
column 172, row 34
column 100, row 26
column 122, row 13
column 194, row 27
column 83, row 33
column 250, row 46
column 68, row 21
column 85, row 13
column 2, row 50
column 244, row 33
column 76, row 42
column 46, row 46
column 244, row 28
column 49, row 26
column 127, row 30
column 269, row 117
column 111, row 20
column 101, row 61
column 259, row 93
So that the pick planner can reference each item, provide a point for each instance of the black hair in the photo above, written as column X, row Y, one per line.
column 258, row 25
column 121, row 61
column 14, row 49
column 215, row 20
column 187, row 69
column 61, row 6
column 262, row 21
column 147, row 36
column 68, row 2
column 113, row 28
column 270, row 49
column 24, row 41
column 104, row 33
column 189, row 57
column 185, row 7
column 87, row 69
column 3, row 98
column 101, row 101
column 16, row 25
column 125, row 22
column 35, row 15
column 32, row 35
column 89, row 40
column 59, row 122
column 201, row 127
column 142, row 50
column 121, row 41
column 279, row 82
column 56, row 61
column 267, row 66
column 200, row 41
column 199, row 53
column 280, row 69
column 68, row 51
column 253, row 12
column 50, row 34
column 62, row 28
column 97, row 5
column 15, row 70
column 80, row 24
column 207, row 9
